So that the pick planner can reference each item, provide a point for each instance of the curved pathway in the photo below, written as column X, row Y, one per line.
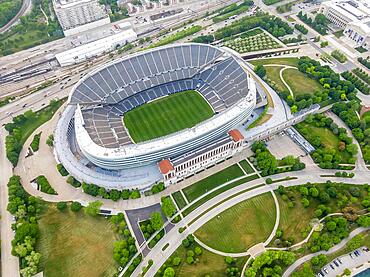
column 281, row 74
column 335, row 248
column 21, row 12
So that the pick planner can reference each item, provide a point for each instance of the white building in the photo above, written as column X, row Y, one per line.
column 95, row 48
column 359, row 32
column 77, row 16
column 343, row 12
column 181, row 167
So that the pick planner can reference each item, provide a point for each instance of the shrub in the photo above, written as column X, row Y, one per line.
column 36, row 142
column 76, row 206
column 62, row 170
column 61, row 206
column 44, row 185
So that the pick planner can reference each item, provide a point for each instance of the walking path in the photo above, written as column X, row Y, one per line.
column 281, row 74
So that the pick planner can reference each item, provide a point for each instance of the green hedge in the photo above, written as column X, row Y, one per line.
column 36, row 142
column 44, row 185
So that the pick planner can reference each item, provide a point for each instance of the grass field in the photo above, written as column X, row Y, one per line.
column 282, row 61
column 242, row 226
column 328, row 139
column 246, row 166
column 179, row 199
column 273, row 73
column 197, row 189
column 167, row 115
column 219, row 191
column 74, row 244
column 300, row 83
column 294, row 220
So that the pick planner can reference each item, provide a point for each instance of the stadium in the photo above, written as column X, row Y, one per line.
column 153, row 105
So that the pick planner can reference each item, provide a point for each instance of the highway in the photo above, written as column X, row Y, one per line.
column 25, row 5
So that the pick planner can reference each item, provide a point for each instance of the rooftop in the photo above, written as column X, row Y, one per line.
column 165, row 166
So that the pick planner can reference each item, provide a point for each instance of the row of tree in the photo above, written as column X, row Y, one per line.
column 25, row 209
column 274, row 25
column 364, row 62
column 112, row 194
column 301, row 28
column 8, row 9
column 359, row 84
column 319, row 23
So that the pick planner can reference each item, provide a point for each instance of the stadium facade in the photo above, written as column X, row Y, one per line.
column 92, row 124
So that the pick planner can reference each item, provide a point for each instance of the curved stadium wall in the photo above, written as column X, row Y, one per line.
column 206, row 77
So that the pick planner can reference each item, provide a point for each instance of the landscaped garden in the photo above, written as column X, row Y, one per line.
column 333, row 146
column 249, row 43
column 360, row 127
column 24, row 125
column 232, row 10
column 240, row 227
column 300, row 205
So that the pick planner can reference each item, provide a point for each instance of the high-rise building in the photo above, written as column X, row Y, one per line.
column 80, row 15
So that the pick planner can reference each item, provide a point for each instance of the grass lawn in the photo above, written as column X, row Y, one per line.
column 40, row 118
column 74, row 244
column 167, row 115
column 209, row 263
column 179, row 199
column 282, row 61
column 273, row 73
column 246, row 166
column 300, row 83
column 242, row 226
column 294, row 220
column 219, row 191
column 197, row 189
column 328, row 139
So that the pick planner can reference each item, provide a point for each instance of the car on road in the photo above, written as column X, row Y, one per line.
column 24, row 105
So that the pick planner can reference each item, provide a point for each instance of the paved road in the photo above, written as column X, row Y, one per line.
column 198, row 217
column 23, row 9
column 335, row 248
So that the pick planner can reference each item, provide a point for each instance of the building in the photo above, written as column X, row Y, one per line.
column 91, row 140
column 359, row 32
column 343, row 12
column 77, row 16
column 175, row 170
column 93, row 49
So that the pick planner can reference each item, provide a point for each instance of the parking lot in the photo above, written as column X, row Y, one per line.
column 350, row 260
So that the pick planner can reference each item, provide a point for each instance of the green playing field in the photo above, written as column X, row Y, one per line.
column 167, row 115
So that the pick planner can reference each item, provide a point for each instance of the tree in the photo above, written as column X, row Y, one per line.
column 198, row 250
column 168, row 207
column 156, row 221
column 305, row 202
column 93, row 208
column 260, row 70
column 76, row 206
column 61, row 206
column 169, row 272
column 176, row 261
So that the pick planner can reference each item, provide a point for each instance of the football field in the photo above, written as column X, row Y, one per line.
column 167, row 115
